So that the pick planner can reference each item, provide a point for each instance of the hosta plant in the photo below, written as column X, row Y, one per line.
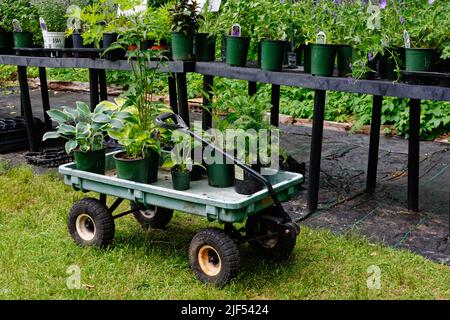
column 85, row 130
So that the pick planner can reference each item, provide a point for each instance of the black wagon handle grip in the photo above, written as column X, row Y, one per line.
column 178, row 122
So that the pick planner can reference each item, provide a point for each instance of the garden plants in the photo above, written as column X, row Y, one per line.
column 184, row 25
column 25, row 23
column 54, row 21
column 85, row 132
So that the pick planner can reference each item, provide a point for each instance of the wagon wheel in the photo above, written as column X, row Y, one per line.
column 90, row 223
column 214, row 257
column 264, row 238
column 153, row 217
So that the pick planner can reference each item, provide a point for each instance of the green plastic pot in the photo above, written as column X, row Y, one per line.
column 323, row 57
column 138, row 170
column 237, row 51
column 272, row 54
column 6, row 40
column 205, row 47
column 93, row 161
column 307, row 59
column 181, row 181
column 23, row 39
column 220, row 175
column 344, row 60
column 182, row 46
column 420, row 59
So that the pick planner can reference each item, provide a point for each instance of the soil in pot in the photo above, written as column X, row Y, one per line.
column 344, row 60
column 182, row 46
column 244, row 183
column 93, row 161
column 23, row 39
column 181, row 181
column 6, row 41
column 143, row 170
column 323, row 57
column 205, row 47
column 272, row 55
column 237, row 51
column 422, row 60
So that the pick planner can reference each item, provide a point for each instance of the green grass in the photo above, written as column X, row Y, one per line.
column 36, row 250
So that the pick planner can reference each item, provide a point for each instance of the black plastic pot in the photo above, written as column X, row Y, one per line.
column 388, row 65
column 205, row 47
column 6, row 41
column 77, row 41
column 244, row 183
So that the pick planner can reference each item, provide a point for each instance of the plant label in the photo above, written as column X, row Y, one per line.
column 236, row 30
column 42, row 24
column 16, row 25
column 239, row 173
column 406, row 39
column 213, row 5
column 321, row 38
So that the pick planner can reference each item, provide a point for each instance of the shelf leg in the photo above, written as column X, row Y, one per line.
column 374, row 144
column 183, row 106
column 413, row 155
column 252, row 89
column 26, row 103
column 316, row 149
column 93, row 88
column 275, row 110
column 103, row 86
column 173, row 93
column 44, row 96
column 208, row 83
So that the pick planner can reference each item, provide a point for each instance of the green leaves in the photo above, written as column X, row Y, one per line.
column 58, row 116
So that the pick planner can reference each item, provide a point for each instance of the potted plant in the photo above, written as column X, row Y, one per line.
column 25, row 23
column 184, row 25
column 54, row 22
column 180, row 163
column 157, row 23
column 205, row 39
column 140, row 137
column 6, row 28
column 85, row 132
column 426, row 23
column 273, row 32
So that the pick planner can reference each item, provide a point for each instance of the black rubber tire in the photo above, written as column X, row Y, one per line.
column 155, row 218
column 97, row 216
column 278, row 246
column 224, row 247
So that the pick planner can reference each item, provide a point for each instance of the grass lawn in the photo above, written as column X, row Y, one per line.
column 36, row 251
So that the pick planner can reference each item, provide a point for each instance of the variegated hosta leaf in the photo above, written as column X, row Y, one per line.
column 50, row 135
column 70, row 146
column 72, row 113
column 58, row 116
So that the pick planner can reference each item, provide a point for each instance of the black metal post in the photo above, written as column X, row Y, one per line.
column 275, row 110
column 173, row 93
column 44, row 96
column 414, row 154
column 208, row 82
column 102, row 83
column 316, row 149
column 252, row 89
column 183, row 106
column 93, row 88
column 374, row 144
column 26, row 103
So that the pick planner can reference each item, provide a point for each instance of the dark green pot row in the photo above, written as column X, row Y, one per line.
column 183, row 48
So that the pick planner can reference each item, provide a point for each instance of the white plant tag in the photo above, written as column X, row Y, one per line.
column 239, row 173
column 236, row 30
column 42, row 24
column 321, row 38
column 16, row 25
column 406, row 39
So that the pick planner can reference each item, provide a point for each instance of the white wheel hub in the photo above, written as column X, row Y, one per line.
column 85, row 227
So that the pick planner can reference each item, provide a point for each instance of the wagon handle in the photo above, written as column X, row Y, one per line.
column 179, row 123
